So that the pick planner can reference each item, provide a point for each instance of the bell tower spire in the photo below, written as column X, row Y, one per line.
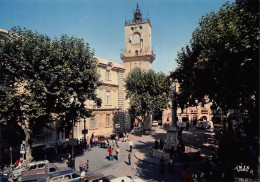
column 137, row 15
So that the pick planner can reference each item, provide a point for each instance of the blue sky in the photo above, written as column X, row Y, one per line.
column 101, row 22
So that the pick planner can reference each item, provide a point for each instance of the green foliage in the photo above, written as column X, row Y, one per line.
column 221, row 61
column 147, row 91
column 38, row 76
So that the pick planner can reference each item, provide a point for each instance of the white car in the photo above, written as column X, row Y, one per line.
column 16, row 174
column 205, row 124
column 126, row 179
column 155, row 123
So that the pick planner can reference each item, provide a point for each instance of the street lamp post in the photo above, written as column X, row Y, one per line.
column 173, row 97
column 172, row 133
column 84, row 142
column 74, row 112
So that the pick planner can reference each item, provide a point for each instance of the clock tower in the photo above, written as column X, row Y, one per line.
column 138, row 43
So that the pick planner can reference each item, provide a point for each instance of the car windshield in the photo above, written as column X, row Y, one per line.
column 32, row 167
column 41, row 165
column 75, row 175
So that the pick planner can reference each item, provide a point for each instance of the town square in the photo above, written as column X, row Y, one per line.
column 118, row 91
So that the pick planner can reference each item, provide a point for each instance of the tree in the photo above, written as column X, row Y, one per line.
column 147, row 91
column 40, row 76
column 221, row 61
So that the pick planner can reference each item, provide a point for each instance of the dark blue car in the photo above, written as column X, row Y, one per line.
column 3, row 178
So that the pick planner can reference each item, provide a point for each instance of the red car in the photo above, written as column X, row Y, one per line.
column 102, row 141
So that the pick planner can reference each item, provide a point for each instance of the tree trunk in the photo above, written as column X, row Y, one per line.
column 27, row 145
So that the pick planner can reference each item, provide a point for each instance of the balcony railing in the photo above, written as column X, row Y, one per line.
column 150, row 53
column 128, row 22
column 204, row 111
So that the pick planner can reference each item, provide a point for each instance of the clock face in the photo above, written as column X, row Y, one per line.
column 136, row 38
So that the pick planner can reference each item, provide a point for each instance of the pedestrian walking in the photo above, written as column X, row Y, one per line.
column 130, row 146
column 96, row 141
column 130, row 136
column 92, row 140
column 81, row 166
column 117, row 152
column 162, row 165
column 110, row 156
column 187, row 125
column 124, row 137
column 116, row 139
column 156, row 144
column 86, row 165
column 69, row 160
column 129, row 158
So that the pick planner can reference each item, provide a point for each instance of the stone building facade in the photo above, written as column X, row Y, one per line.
column 112, row 115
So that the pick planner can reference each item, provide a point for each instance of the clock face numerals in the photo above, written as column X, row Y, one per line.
column 136, row 38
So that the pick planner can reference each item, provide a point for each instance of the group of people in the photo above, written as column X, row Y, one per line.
column 84, row 165
column 115, row 148
column 110, row 151
column 87, row 142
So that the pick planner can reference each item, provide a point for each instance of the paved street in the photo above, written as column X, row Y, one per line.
column 148, row 169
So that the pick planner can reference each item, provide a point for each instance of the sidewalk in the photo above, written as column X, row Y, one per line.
column 154, row 160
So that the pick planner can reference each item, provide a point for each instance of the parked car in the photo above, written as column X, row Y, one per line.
column 113, row 136
column 65, row 148
column 155, row 123
column 3, row 178
column 98, row 177
column 203, row 124
column 160, row 122
column 16, row 174
column 126, row 179
column 39, row 175
column 41, row 152
column 64, row 175
column 120, row 134
column 102, row 140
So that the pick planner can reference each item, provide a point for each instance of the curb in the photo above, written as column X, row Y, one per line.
column 152, row 160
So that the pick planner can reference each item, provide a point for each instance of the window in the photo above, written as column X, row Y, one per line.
column 75, row 175
column 67, row 177
column 33, row 167
column 56, row 179
column 92, row 123
column 107, row 74
column 136, row 52
column 107, row 119
column 108, row 98
column 52, row 169
column 41, row 165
